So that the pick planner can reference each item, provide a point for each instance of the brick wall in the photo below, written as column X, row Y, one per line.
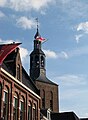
column 22, row 91
column 48, row 88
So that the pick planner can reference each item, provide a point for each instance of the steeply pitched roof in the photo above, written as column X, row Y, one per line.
column 28, row 82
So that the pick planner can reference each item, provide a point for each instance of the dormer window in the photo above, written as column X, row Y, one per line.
column 18, row 72
column 18, row 67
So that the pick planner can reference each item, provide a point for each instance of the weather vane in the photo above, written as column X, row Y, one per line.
column 38, row 36
column 37, row 22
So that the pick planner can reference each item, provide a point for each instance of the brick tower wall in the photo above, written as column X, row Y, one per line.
column 48, row 88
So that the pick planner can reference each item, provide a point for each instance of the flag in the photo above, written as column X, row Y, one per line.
column 6, row 49
column 40, row 38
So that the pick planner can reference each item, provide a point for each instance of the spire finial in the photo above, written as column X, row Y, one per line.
column 37, row 33
column 37, row 23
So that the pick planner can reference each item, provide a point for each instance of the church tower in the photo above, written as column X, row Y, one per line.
column 37, row 58
column 48, row 89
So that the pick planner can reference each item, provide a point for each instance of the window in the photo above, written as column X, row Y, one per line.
column 15, row 108
column 18, row 72
column 5, row 105
column 48, row 115
column 34, row 112
column 37, row 60
column 43, row 99
column 30, row 111
column 51, row 100
column 38, row 44
column 22, row 109
column 42, row 61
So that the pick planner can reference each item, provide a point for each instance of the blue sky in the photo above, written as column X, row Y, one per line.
column 65, row 24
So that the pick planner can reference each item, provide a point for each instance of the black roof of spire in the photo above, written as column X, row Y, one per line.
column 37, row 33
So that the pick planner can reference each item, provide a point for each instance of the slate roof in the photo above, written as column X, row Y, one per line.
column 83, row 118
column 28, row 81
column 44, row 79
column 64, row 116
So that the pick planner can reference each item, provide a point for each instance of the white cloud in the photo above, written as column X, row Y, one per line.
column 71, row 8
column 83, row 27
column 71, row 79
column 25, row 5
column 50, row 54
column 24, row 55
column 77, row 37
column 68, row 54
column 26, row 23
column 63, row 55
column 7, row 41
column 78, row 51
column 38, row 4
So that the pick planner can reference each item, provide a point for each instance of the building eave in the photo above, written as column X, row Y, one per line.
column 20, row 83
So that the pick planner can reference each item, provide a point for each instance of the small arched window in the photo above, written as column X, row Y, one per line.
column 37, row 60
column 34, row 112
column 6, row 103
column 42, row 61
column 22, row 109
column 30, row 111
column 51, row 100
column 15, row 107
column 43, row 99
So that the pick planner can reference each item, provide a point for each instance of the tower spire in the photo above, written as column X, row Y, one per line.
column 37, row 33
column 37, row 23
